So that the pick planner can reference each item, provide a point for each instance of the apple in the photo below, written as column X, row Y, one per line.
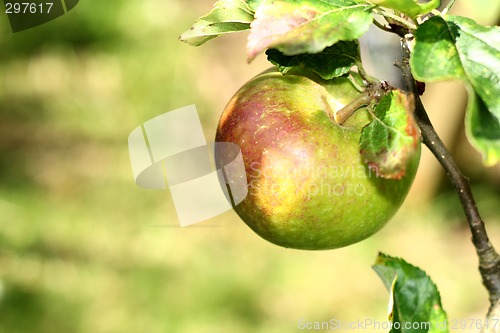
column 308, row 187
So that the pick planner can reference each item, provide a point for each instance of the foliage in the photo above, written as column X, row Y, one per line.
column 305, row 33
column 454, row 47
column 83, row 250
column 414, row 299
column 390, row 140
column 333, row 61
column 321, row 36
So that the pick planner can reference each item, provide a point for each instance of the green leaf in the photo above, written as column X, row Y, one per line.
column 458, row 48
column 392, row 138
column 411, row 8
column 416, row 303
column 227, row 16
column 334, row 61
column 306, row 26
column 482, row 129
column 254, row 4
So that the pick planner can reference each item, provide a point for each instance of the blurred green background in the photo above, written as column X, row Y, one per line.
column 83, row 249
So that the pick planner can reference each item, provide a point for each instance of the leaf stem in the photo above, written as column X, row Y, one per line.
column 364, row 74
column 381, row 26
column 489, row 260
column 448, row 7
column 405, row 23
column 355, row 84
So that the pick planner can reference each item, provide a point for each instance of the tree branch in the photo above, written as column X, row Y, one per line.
column 489, row 260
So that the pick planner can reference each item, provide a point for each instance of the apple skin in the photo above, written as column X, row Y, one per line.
column 308, row 187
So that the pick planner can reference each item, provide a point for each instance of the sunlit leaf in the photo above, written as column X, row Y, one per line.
column 226, row 17
column 295, row 27
column 457, row 48
column 412, row 8
column 254, row 4
column 483, row 129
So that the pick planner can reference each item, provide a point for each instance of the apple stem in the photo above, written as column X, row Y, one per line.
column 372, row 94
column 489, row 260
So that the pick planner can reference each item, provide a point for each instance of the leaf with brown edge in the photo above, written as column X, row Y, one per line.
column 392, row 138
column 306, row 26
